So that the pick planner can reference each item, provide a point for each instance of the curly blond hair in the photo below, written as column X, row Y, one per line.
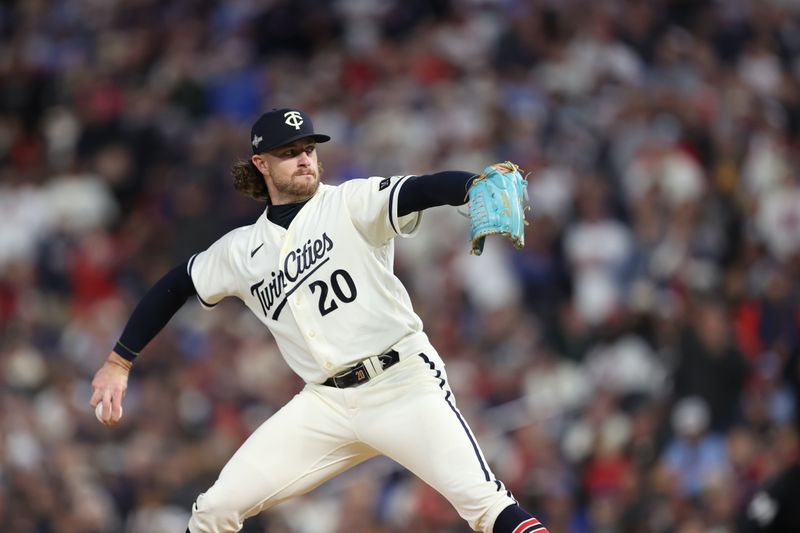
column 248, row 180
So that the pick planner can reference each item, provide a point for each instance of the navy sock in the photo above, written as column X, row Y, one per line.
column 514, row 519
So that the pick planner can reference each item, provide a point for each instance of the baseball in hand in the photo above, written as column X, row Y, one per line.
column 98, row 411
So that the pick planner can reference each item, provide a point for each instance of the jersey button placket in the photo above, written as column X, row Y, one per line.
column 307, row 322
column 303, row 315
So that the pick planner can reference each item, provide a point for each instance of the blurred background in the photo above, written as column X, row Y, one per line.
column 633, row 369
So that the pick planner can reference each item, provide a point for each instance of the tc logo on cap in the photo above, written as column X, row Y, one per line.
column 294, row 118
column 279, row 127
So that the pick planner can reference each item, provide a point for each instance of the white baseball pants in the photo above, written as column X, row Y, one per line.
column 407, row 413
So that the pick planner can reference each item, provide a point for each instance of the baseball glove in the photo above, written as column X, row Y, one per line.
column 497, row 205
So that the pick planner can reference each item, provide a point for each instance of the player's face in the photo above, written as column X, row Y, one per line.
column 292, row 171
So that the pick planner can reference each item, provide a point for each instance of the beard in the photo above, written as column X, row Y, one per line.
column 300, row 185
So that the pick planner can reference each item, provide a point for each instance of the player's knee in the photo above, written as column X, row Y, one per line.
column 214, row 512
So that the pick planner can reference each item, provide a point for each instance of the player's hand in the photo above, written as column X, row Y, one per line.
column 109, row 386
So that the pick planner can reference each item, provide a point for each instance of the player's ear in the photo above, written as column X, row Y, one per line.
column 260, row 164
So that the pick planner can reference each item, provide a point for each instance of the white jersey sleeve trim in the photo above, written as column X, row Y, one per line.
column 204, row 303
column 405, row 226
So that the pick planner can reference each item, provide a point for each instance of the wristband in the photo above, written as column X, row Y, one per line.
column 125, row 367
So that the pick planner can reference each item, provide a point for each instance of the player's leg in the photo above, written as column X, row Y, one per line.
column 305, row 443
column 515, row 519
column 410, row 415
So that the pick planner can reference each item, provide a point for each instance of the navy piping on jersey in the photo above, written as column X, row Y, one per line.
column 463, row 424
column 391, row 204
column 189, row 270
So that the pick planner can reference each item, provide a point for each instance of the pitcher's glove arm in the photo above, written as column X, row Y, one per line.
column 430, row 190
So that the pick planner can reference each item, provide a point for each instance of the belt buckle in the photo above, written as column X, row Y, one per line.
column 385, row 360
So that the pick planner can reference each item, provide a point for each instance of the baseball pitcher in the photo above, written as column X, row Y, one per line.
column 316, row 269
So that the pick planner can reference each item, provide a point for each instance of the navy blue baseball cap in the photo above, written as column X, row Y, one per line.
column 282, row 126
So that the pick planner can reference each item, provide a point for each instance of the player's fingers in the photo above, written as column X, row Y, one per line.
column 105, row 414
column 97, row 395
column 116, row 404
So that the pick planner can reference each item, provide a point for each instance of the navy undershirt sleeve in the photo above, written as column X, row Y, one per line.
column 431, row 190
column 154, row 310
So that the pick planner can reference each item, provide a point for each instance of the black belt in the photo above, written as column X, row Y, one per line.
column 363, row 371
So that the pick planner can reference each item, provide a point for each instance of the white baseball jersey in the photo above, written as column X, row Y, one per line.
column 325, row 289
column 325, row 286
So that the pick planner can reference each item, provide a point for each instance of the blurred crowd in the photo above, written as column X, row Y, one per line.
column 636, row 368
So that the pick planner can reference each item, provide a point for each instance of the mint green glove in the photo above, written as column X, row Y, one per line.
column 497, row 205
